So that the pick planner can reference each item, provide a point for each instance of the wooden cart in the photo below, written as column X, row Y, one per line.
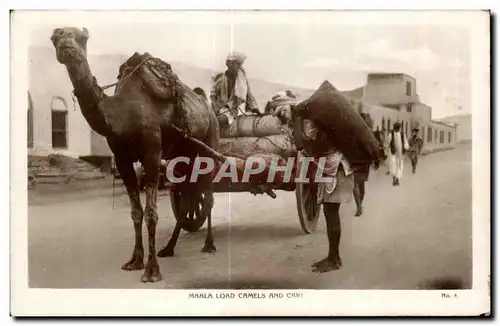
column 193, row 218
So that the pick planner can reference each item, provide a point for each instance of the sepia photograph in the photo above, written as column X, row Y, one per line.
column 250, row 163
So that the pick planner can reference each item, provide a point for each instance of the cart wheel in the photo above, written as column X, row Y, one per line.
column 189, row 209
column 307, row 206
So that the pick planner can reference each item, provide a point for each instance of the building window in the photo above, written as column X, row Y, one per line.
column 30, row 121
column 389, row 125
column 435, row 136
column 408, row 88
column 449, row 137
column 59, row 123
column 409, row 107
column 406, row 128
column 429, row 135
column 383, row 124
column 441, row 137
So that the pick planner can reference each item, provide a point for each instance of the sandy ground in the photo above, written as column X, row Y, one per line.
column 408, row 236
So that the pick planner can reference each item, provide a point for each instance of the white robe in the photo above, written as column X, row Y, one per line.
column 396, row 160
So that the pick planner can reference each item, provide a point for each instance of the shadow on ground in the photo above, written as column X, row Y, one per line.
column 444, row 283
column 243, row 233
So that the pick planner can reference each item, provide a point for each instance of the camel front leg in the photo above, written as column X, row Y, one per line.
column 151, row 168
column 129, row 178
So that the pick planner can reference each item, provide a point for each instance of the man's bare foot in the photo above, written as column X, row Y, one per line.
column 327, row 265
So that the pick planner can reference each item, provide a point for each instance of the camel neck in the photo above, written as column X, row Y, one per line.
column 89, row 94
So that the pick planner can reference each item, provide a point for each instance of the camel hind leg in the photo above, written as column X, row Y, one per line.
column 213, row 142
column 209, row 246
column 168, row 250
column 184, row 147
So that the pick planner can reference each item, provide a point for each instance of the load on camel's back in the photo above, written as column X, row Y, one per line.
column 162, row 83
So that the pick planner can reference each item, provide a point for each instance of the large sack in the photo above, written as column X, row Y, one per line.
column 281, row 145
column 253, row 126
column 346, row 129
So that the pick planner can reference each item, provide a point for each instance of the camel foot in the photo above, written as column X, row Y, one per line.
column 326, row 265
column 133, row 265
column 209, row 247
column 359, row 211
column 151, row 274
column 166, row 252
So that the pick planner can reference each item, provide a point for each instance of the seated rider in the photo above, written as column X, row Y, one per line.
column 230, row 94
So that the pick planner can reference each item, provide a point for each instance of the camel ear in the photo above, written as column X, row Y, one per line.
column 85, row 32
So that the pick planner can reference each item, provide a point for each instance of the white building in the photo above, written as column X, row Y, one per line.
column 393, row 97
column 55, row 122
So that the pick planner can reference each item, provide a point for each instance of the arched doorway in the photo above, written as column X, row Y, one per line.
column 59, row 116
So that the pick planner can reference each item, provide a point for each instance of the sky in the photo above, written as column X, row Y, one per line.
column 301, row 50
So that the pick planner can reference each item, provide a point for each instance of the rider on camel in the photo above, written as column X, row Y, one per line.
column 230, row 94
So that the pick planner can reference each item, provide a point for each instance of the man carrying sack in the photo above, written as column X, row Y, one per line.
column 333, row 130
column 316, row 144
column 230, row 94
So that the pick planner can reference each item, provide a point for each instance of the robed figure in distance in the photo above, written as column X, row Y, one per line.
column 398, row 145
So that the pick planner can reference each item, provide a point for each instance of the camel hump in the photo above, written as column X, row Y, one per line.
column 157, row 75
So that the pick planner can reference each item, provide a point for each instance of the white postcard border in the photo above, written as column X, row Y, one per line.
column 26, row 301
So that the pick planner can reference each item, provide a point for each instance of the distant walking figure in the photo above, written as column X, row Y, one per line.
column 398, row 145
column 416, row 144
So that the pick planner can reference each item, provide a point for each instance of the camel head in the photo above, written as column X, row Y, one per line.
column 70, row 44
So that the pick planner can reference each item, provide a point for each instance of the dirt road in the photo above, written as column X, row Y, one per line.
column 408, row 235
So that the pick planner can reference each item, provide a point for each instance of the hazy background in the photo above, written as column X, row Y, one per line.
column 303, row 52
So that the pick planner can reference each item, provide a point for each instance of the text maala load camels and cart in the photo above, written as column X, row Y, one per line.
column 153, row 115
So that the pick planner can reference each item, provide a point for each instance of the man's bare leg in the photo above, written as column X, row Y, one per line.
column 332, row 261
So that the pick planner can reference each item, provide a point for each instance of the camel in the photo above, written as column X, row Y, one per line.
column 139, row 123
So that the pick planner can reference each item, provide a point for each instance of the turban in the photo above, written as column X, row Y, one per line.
column 281, row 105
column 236, row 56
column 283, row 98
